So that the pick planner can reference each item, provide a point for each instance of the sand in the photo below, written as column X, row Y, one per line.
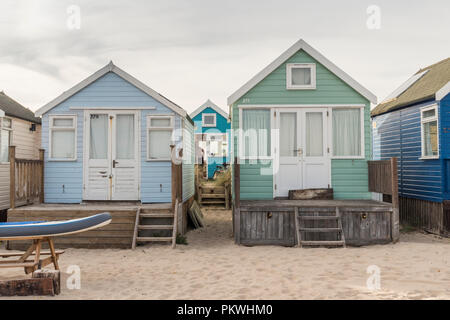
column 211, row 266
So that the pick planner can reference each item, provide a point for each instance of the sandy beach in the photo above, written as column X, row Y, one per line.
column 211, row 266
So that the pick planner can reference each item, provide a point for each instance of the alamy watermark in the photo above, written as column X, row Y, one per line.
column 373, row 282
column 74, row 17
column 374, row 19
column 73, row 282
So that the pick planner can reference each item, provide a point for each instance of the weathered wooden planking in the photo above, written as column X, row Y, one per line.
column 427, row 215
column 27, row 287
column 278, row 227
column 311, row 194
column 118, row 234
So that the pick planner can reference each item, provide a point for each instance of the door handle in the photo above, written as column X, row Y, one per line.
column 114, row 163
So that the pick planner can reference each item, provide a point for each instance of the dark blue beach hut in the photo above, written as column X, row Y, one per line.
column 413, row 124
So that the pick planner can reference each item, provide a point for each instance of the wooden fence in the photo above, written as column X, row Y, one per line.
column 26, row 179
column 383, row 178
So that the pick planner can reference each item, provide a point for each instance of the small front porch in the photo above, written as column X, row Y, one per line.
column 280, row 222
column 118, row 234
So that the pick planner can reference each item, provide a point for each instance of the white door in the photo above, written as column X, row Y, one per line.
column 111, row 156
column 303, row 160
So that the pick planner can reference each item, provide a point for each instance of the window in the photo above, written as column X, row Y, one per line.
column 300, row 76
column 217, row 145
column 62, row 137
column 5, row 138
column 255, row 133
column 159, row 137
column 347, row 132
column 430, row 138
column 209, row 120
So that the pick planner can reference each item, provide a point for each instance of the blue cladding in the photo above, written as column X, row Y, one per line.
column 64, row 180
column 398, row 134
column 222, row 124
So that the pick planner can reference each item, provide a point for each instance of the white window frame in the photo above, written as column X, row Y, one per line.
column 10, row 134
column 290, row 66
column 51, row 128
column 150, row 128
column 330, row 125
column 209, row 115
column 241, row 135
column 422, row 136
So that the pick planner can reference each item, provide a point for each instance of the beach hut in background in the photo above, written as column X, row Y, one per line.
column 109, row 142
column 20, row 128
column 212, row 132
column 413, row 124
column 302, row 123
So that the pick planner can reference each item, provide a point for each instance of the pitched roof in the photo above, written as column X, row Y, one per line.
column 302, row 45
column 14, row 109
column 110, row 67
column 432, row 82
column 212, row 105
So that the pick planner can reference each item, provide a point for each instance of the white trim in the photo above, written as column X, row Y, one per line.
column 310, row 66
column 301, row 45
column 422, row 137
column 241, row 140
column 150, row 128
column 261, row 106
column 51, row 128
column 443, row 92
column 11, row 133
column 112, row 108
column 110, row 67
column 363, row 138
column 204, row 125
column 209, row 104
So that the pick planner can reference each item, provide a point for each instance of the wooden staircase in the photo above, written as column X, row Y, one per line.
column 321, row 227
column 210, row 194
column 156, row 225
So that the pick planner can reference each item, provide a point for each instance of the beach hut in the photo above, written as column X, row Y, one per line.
column 301, row 123
column 212, row 132
column 109, row 144
column 20, row 128
column 412, row 124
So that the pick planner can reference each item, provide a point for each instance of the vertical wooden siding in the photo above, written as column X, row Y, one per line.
column 348, row 177
column 27, row 145
column 188, row 160
column 108, row 91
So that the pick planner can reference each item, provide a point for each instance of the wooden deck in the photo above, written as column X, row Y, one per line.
column 118, row 234
column 272, row 222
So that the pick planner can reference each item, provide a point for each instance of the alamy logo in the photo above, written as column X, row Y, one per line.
column 374, row 19
column 374, row 281
column 74, row 18
column 73, row 282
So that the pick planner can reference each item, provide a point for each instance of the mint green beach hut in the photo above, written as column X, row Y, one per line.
column 300, row 123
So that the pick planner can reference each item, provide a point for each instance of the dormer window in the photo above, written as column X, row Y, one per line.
column 300, row 76
column 209, row 120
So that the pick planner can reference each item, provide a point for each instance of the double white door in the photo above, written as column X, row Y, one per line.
column 111, row 157
column 303, row 160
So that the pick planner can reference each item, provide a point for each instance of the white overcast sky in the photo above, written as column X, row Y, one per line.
column 193, row 50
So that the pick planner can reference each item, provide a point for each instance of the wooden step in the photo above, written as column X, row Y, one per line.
column 156, row 215
column 318, row 217
column 213, row 201
column 154, row 239
column 323, row 243
column 156, row 227
column 320, row 229
column 213, row 195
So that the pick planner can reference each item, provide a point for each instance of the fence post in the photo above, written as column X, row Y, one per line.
column 237, row 202
column 12, row 176
column 395, row 223
column 41, row 158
